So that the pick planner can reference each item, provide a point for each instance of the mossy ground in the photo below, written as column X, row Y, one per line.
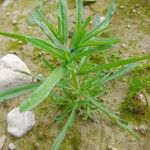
column 133, row 29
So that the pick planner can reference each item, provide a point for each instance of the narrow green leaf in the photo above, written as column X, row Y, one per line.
column 116, row 118
column 100, row 42
column 90, row 51
column 47, row 64
column 119, row 73
column 59, row 139
column 36, row 17
column 79, row 19
column 10, row 93
column 44, row 90
column 63, row 19
column 76, row 39
column 15, row 36
column 101, row 27
column 116, row 64
column 36, row 42
column 96, row 21
column 44, row 45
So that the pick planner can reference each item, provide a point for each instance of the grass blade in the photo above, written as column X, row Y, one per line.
column 59, row 139
column 90, row 51
column 14, row 36
column 115, row 118
column 44, row 45
column 37, row 17
column 115, row 64
column 47, row 64
column 101, row 27
column 79, row 19
column 63, row 19
column 119, row 73
column 17, row 91
column 44, row 90
column 100, row 42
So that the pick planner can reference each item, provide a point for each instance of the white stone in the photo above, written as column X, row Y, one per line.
column 8, row 75
column 124, row 45
column 2, row 141
column 18, row 123
column 11, row 146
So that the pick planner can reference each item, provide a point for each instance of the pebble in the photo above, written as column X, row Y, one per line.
column 122, row 7
column 19, row 123
column 124, row 45
column 8, row 13
column 20, row 42
column 129, row 26
column 112, row 148
column 11, row 146
column 14, row 22
column 2, row 141
column 134, row 11
column 137, row 5
column 143, row 129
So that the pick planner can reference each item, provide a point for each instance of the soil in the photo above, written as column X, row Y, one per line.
column 131, row 24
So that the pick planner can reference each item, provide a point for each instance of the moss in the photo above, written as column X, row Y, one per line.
column 133, row 108
column 73, row 141
column 13, row 45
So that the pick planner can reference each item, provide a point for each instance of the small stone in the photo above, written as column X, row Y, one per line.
column 112, row 148
column 20, row 42
column 143, row 129
column 2, row 141
column 137, row 5
column 11, row 146
column 124, row 45
column 117, row 113
column 8, row 13
column 91, row 22
column 14, row 22
column 122, row 7
column 19, row 123
column 134, row 11
column 129, row 26
column 136, row 128
column 16, row 12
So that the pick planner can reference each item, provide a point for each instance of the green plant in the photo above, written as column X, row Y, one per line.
column 79, row 80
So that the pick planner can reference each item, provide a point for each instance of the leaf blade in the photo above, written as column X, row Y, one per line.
column 17, row 91
column 43, row 91
column 116, row 64
column 59, row 139
column 63, row 19
column 44, row 45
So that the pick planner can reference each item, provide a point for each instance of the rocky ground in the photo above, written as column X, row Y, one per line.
column 131, row 24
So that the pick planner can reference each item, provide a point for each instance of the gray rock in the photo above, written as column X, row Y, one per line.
column 2, row 141
column 8, row 75
column 18, row 123
column 11, row 146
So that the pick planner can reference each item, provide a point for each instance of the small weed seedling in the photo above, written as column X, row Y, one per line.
column 79, row 80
